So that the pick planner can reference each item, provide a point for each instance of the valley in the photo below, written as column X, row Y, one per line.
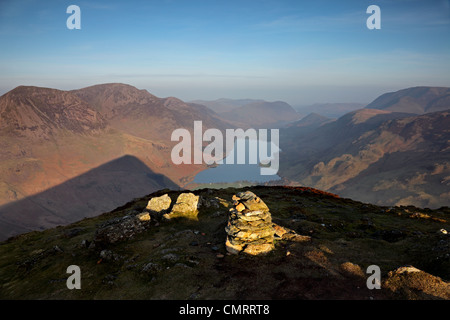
column 66, row 154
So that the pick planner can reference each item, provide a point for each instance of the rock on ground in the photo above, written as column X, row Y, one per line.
column 414, row 284
column 186, row 206
column 121, row 229
column 159, row 204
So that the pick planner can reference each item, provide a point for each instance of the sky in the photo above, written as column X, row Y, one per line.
column 301, row 52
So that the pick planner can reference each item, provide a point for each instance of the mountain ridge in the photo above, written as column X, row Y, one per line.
column 49, row 136
column 224, row 104
column 252, row 113
column 418, row 100
column 41, row 112
column 330, row 110
column 142, row 114
column 263, row 114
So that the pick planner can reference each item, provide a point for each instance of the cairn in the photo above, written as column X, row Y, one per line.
column 249, row 229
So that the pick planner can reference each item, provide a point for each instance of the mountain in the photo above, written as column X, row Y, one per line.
column 49, row 137
column 329, row 244
column 250, row 113
column 224, row 105
column 304, row 126
column 418, row 100
column 311, row 120
column 377, row 156
column 262, row 114
column 330, row 110
column 142, row 114
column 39, row 113
column 341, row 132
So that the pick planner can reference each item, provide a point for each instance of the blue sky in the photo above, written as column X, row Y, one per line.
column 301, row 52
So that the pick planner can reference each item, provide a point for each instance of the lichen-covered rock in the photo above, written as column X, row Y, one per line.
column 186, row 206
column 412, row 284
column 250, row 201
column 288, row 234
column 144, row 216
column 256, row 249
column 279, row 231
column 233, row 248
column 120, row 229
column 352, row 270
column 159, row 204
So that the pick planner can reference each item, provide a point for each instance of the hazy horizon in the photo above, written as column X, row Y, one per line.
column 186, row 98
column 299, row 52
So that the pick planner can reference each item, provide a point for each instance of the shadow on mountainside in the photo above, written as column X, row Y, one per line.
column 99, row 190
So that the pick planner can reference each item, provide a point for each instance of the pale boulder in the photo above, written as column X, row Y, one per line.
column 159, row 204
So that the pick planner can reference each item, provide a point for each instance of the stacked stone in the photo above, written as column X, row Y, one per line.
column 249, row 227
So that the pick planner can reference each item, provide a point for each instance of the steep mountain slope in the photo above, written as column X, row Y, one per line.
column 330, row 110
column 41, row 131
column 375, row 156
column 99, row 190
column 39, row 113
column 311, row 120
column 336, row 134
column 418, row 100
column 49, row 136
column 302, row 127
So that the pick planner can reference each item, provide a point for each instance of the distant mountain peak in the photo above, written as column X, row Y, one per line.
column 224, row 104
column 172, row 101
column 114, row 99
column 311, row 120
column 263, row 114
column 417, row 100
column 315, row 115
column 39, row 112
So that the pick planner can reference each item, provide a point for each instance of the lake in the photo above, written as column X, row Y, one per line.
column 229, row 173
